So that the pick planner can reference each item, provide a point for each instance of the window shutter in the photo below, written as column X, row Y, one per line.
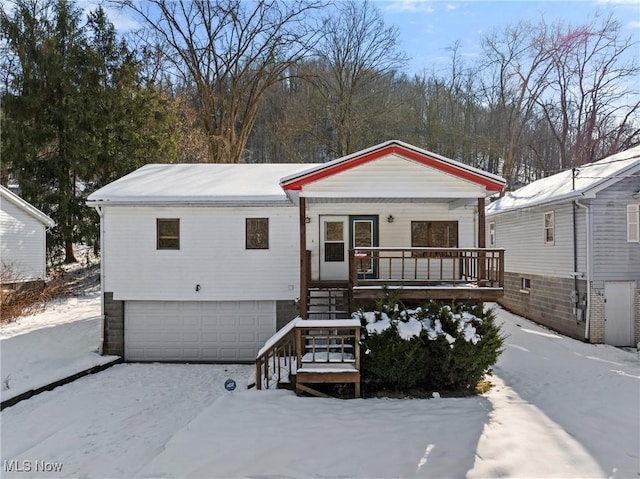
column 633, row 223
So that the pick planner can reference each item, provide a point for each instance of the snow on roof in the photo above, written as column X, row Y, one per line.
column 8, row 195
column 589, row 179
column 493, row 182
column 198, row 183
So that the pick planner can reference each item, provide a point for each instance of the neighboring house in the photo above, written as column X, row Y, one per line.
column 23, row 240
column 204, row 262
column 572, row 244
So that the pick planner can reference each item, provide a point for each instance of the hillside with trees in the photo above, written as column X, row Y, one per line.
column 290, row 81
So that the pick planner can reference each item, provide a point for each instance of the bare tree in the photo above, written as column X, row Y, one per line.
column 518, row 66
column 595, row 109
column 231, row 51
column 361, row 56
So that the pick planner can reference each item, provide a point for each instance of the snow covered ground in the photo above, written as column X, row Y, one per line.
column 39, row 349
column 559, row 408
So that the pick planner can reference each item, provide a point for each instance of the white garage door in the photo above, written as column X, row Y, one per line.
column 197, row 331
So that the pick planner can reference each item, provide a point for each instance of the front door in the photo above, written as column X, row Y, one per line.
column 618, row 313
column 363, row 233
column 334, row 257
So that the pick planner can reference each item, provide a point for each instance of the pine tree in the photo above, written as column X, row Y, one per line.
column 75, row 113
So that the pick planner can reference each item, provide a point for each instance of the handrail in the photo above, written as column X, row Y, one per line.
column 277, row 352
column 480, row 266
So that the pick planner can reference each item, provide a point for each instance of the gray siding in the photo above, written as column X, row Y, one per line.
column 613, row 257
column 521, row 233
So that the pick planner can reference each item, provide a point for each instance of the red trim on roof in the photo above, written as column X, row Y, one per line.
column 489, row 184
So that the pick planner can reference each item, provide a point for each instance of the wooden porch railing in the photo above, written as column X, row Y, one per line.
column 277, row 357
column 427, row 266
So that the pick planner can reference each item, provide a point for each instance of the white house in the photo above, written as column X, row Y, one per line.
column 23, row 239
column 204, row 262
column 572, row 244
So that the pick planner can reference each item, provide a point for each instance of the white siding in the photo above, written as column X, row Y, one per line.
column 22, row 243
column 212, row 254
column 398, row 233
column 393, row 177
column 521, row 234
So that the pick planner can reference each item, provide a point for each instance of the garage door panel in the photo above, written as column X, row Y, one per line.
column 197, row 331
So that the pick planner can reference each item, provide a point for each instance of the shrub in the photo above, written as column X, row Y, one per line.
column 448, row 348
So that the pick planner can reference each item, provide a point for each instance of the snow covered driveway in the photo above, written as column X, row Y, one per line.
column 560, row 408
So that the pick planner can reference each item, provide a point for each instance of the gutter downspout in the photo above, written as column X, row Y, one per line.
column 100, row 211
column 588, row 264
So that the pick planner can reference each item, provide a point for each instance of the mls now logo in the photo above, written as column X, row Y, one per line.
column 29, row 466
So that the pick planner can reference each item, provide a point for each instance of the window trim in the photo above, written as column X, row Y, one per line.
column 160, row 237
column 525, row 285
column 246, row 234
column 633, row 224
column 551, row 228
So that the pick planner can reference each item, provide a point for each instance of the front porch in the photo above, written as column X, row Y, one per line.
column 414, row 275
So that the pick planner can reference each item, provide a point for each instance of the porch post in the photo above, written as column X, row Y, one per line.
column 303, row 258
column 481, row 224
column 482, row 267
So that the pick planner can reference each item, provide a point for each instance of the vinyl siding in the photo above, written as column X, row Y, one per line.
column 398, row 233
column 613, row 257
column 212, row 254
column 393, row 177
column 521, row 234
column 22, row 243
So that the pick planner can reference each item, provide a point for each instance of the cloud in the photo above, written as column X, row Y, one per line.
column 634, row 24
column 451, row 7
column 419, row 6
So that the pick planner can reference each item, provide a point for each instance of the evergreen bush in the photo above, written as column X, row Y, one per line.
column 436, row 347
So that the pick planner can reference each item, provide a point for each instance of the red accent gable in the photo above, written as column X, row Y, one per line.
column 489, row 184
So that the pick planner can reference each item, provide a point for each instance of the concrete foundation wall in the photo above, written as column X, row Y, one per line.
column 547, row 301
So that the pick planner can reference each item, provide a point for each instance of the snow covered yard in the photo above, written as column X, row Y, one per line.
column 559, row 408
column 39, row 349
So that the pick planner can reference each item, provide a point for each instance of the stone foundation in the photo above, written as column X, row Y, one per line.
column 286, row 310
column 113, row 326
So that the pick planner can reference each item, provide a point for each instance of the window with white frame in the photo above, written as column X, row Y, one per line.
column 492, row 234
column 633, row 223
column 525, row 285
column 549, row 228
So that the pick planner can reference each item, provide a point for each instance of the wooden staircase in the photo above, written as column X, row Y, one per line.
column 328, row 302
column 306, row 353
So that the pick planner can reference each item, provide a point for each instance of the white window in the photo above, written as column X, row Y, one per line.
column 525, row 285
column 633, row 223
column 492, row 234
column 549, row 228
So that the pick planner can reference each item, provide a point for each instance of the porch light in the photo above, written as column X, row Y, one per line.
column 307, row 219
column 390, row 219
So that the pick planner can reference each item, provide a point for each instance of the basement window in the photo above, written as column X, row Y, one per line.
column 167, row 233
column 257, row 233
column 525, row 285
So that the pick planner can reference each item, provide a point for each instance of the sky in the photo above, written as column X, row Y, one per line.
column 427, row 28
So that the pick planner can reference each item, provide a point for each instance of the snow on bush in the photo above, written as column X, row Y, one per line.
column 436, row 346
